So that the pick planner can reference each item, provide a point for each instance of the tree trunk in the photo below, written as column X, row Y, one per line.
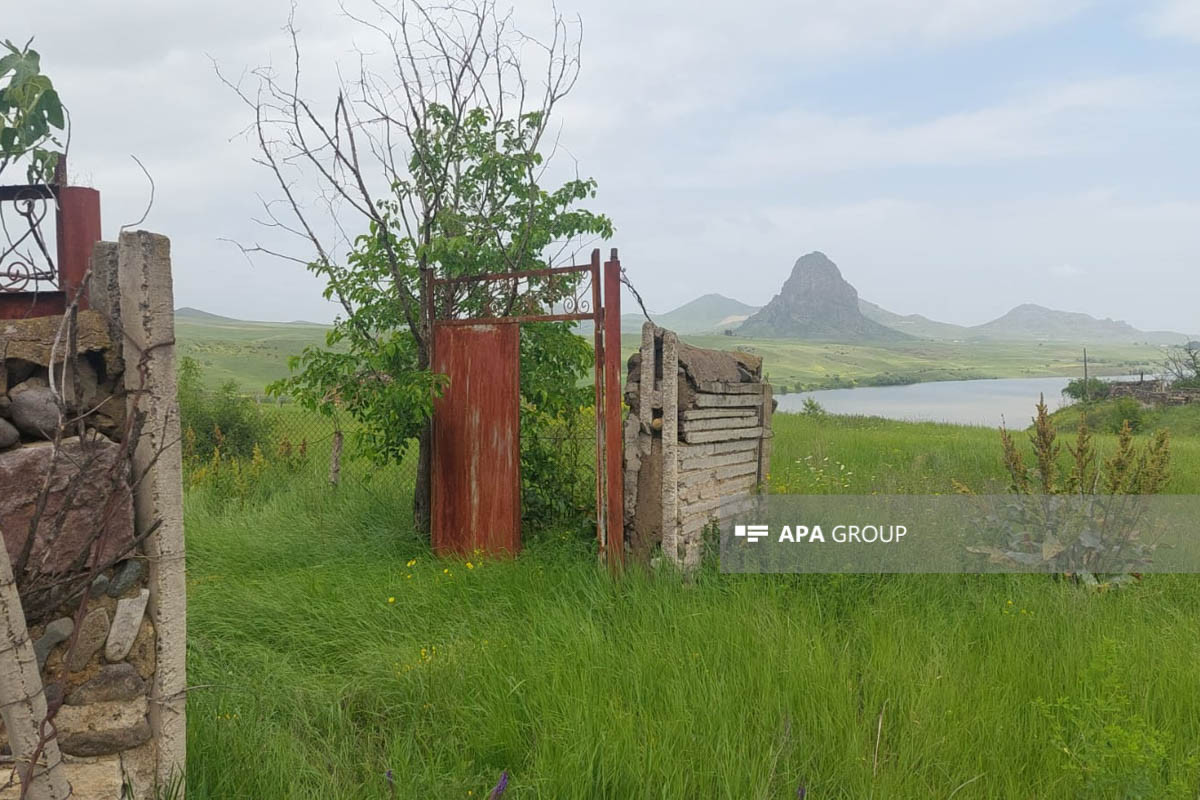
column 422, row 490
column 22, row 701
column 335, row 459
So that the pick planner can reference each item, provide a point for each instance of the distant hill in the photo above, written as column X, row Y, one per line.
column 913, row 324
column 196, row 315
column 1034, row 322
column 817, row 304
column 711, row 313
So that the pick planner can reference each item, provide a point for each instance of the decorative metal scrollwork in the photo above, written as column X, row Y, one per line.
column 26, row 262
column 553, row 293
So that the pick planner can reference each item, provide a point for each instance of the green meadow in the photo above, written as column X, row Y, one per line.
column 250, row 353
column 329, row 648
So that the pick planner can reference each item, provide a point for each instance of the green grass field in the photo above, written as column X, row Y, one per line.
column 327, row 647
column 251, row 353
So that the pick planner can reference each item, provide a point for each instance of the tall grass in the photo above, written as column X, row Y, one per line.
column 322, row 659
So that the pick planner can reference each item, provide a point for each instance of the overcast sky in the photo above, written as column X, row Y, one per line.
column 954, row 157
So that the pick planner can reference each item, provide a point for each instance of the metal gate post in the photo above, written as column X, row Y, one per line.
column 598, row 380
column 615, row 478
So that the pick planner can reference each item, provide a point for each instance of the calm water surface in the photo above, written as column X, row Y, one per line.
column 986, row 402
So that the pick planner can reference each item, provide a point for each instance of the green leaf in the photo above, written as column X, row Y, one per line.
column 52, row 108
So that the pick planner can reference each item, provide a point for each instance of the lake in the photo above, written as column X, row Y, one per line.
column 980, row 402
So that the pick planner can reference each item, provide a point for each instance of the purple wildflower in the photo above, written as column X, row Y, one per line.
column 500, row 787
column 801, row 793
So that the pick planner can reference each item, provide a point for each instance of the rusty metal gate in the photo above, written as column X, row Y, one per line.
column 476, row 480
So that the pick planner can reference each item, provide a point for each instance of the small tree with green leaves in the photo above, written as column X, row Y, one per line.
column 433, row 152
column 30, row 114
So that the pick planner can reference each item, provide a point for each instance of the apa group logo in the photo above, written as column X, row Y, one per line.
column 838, row 534
column 751, row 533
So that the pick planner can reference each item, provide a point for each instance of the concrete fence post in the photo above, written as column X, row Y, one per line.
column 148, row 319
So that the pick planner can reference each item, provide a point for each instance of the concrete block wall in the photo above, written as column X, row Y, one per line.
column 91, row 519
column 697, row 442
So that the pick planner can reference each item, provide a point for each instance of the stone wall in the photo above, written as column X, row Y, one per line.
column 91, row 518
column 697, row 442
column 1155, row 393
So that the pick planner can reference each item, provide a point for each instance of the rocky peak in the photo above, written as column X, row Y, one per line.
column 816, row 302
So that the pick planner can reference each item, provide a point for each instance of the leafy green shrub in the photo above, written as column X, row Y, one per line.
column 1126, row 410
column 1107, row 747
column 1075, row 538
column 222, row 420
column 557, row 425
column 1088, row 389
column 812, row 408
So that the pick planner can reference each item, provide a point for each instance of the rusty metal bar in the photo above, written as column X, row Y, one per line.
column 615, row 479
column 510, row 276
column 598, row 381
column 527, row 318
column 78, row 232
column 9, row 193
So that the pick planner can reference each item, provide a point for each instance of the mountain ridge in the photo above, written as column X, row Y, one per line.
column 817, row 303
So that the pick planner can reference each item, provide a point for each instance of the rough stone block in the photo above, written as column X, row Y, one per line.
column 100, row 729
column 125, row 625
column 23, row 472
column 92, row 633
column 32, row 339
column 8, row 434
column 113, row 682
column 90, row 779
column 55, row 634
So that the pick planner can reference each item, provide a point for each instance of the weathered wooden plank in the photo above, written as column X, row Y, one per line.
column 722, row 435
column 701, row 400
column 719, row 424
column 708, row 489
column 719, row 460
column 718, row 473
column 716, row 448
column 718, row 413
column 670, row 446
column 729, row 387
column 699, row 514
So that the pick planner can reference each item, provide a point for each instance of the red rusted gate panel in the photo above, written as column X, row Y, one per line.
column 474, row 504
column 476, row 440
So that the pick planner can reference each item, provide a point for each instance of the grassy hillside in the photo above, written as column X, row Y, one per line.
column 251, row 353
column 912, row 324
column 813, row 365
column 256, row 353
column 1106, row 416
column 1035, row 322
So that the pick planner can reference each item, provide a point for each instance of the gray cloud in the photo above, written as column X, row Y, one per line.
column 714, row 183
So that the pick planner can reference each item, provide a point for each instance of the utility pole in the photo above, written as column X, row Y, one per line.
column 1087, row 390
